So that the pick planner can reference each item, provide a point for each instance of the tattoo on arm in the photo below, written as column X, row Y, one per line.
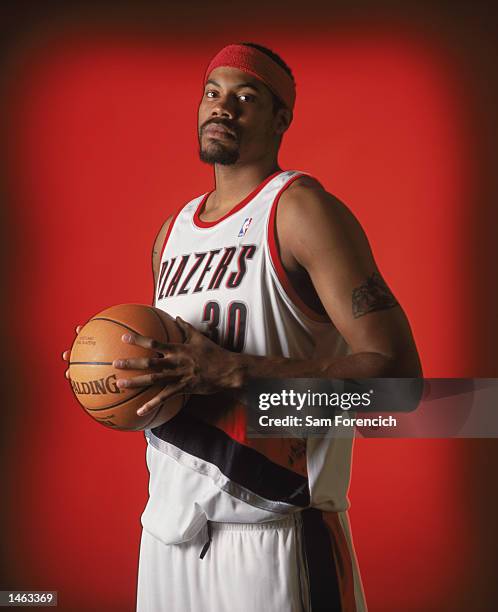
column 373, row 295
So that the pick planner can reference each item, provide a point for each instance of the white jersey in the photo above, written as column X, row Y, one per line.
column 225, row 277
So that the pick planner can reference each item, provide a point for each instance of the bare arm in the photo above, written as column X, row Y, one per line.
column 319, row 234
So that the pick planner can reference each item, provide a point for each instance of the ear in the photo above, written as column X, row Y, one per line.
column 283, row 119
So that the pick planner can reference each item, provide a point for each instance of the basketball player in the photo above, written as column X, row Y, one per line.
column 276, row 279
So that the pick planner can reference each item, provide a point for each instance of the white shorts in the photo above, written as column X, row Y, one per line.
column 303, row 563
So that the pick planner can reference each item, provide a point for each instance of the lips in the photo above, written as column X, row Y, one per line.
column 216, row 130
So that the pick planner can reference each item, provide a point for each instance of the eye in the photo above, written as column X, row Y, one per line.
column 246, row 97
column 210, row 93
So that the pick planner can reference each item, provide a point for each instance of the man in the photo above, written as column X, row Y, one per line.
column 276, row 279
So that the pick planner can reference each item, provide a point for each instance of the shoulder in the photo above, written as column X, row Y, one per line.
column 307, row 211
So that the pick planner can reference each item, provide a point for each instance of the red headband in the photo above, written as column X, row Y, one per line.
column 255, row 62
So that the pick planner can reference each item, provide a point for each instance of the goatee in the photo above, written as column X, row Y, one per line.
column 216, row 153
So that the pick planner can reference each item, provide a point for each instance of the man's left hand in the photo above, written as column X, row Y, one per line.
column 196, row 366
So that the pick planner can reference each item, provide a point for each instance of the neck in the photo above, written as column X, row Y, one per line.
column 234, row 183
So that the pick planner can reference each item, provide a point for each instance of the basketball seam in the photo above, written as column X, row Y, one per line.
column 154, row 415
column 162, row 323
column 90, row 363
column 120, row 403
column 116, row 322
column 142, row 427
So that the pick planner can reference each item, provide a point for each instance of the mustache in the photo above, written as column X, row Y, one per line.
column 233, row 130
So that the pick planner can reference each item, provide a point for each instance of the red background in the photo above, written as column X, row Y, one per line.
column 394, row 115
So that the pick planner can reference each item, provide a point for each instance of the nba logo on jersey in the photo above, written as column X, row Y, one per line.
column 245, row 227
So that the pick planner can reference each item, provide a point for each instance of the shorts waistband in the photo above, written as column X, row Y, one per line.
column 286, row 523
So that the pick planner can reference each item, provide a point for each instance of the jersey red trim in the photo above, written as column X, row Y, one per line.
column 200, row 223
column 278, row 265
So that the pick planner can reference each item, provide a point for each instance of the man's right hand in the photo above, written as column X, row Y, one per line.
column 67, row 354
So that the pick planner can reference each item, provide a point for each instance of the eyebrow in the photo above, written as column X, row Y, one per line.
column 240, row 86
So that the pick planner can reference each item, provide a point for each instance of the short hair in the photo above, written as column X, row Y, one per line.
column 278, row 103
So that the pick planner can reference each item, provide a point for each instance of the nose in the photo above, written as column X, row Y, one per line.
column 224, row 107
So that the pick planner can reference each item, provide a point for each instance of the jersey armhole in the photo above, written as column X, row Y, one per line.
column 277, row 262
column 170, row 228
column 165, row 242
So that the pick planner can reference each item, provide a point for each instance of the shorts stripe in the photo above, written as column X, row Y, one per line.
column 345, row 563
column 322, row 573
column 329, row 561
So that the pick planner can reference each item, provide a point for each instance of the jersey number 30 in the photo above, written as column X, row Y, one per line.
column 235, row 329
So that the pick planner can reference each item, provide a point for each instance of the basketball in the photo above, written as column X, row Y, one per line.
column 93, row 378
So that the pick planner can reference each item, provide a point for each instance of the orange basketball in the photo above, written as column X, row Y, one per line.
column 93, row 378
